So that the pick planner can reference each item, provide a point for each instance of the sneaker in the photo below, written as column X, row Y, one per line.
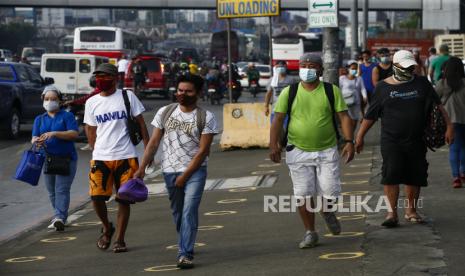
column 457, row 183
column 185, row 263
column 86, row 147
column 310, row 240
column 58, row 224
column 332, row 223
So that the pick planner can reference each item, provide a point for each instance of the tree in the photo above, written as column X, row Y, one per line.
column 16, row 35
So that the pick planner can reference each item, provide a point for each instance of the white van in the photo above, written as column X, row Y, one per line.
column 71, row 72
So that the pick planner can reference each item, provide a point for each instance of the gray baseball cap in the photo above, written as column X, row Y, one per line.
column 106, row 68
column 308, row 57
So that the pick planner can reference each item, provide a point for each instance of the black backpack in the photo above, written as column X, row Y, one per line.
column 293, row 93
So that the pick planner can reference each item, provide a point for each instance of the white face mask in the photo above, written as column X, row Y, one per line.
column 51, row 105
column 308, row 74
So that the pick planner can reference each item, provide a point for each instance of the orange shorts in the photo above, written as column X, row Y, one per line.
column 104, row 174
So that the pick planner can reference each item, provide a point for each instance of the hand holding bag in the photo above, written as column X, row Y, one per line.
column 30, row 166
column 133, row 190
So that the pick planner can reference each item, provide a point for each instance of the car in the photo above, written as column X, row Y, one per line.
column 156, row 83
column 21, row 89
column 33, row 55
column 265, row 74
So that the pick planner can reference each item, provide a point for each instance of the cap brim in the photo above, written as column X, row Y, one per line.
column 407, row 63
column 111, row 74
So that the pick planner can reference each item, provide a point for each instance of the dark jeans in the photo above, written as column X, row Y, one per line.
column 457, row 151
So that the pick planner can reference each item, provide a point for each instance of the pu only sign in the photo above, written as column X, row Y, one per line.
column 322, row 13
column 247, row 8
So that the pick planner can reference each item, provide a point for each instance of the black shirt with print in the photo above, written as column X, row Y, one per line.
column 402, row 109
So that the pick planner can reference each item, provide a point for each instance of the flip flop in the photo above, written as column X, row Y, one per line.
column 119, row 247
column 390, row 223
column 414, row 219
column 104, row 244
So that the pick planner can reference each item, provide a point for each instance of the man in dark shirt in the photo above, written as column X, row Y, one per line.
column 400, row 102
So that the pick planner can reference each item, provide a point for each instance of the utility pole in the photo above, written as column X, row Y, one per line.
column 365, row 24
column 271, row 45
column 331, row 55
column 229, row 60
column 354, row 29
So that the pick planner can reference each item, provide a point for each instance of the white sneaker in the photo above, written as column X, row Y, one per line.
column 86, row 147
column 310, row 240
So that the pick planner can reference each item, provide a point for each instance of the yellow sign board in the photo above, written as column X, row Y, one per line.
column 247, row 8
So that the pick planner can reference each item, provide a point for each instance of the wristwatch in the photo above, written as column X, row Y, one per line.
column 349, row 141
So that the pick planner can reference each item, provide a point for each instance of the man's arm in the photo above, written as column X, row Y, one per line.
column 275, row 135
column 431, row 73
column 364, row 127
column 348, row 132
column 196, row 162
column 91, row 133
column 375, row 76
column 150, row 150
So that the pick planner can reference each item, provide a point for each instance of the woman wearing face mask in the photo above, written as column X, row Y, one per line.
column 383, row 69
column 54, row 132
column 353, row 91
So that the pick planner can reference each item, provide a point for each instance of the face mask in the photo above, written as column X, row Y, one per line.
column 51, row 105
column 281, row 70
column 103, row 84
column 308, row 74
column 353, row 72
column 186, row 100
column 385, row 60
column 402, row 74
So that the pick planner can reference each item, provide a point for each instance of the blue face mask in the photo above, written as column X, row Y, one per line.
column 281, row 70
column 353, row 72
column 385, row 60
column 308, row 74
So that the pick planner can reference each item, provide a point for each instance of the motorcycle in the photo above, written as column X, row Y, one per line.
column 236, row 90
column 214, row 94
column 253, row 88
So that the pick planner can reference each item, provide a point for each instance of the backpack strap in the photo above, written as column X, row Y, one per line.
column 167, row 113
column 201, row 119
column 329, row 91
column 292, row 94
column 127, row 103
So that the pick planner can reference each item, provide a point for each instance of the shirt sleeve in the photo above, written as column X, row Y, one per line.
column 156, row 122
column 375, row 108
column 211, row 126
column 136, row 106
column 281, row 104
column 35, row 127
column 89, row 118
column 339, row 103
column 70, row 122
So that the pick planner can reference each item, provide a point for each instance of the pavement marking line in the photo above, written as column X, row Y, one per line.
column 209, row 227
column 355, row 182
column 25, row 259
column 262, row 172
column 61, row 239
column 345, row 234
column 246, row 189
column 355, row 193
column 363, row 159
column 358, row 173
column 175, row 246
column 161, row 268
column 87, row 223
column 353, row 217
column 269, row 165
column 112, row 209
column 233, row 200
column 220, row 213
column 360, row 165
column 342, row 256
column 268, row 159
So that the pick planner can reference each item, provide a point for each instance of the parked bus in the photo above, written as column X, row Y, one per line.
column 111, row 42
column 219, row 46
column 290, row 46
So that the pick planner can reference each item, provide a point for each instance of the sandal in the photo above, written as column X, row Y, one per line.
column 119, row 247
column 414, row 219
column 390, row 223
column 103, row 243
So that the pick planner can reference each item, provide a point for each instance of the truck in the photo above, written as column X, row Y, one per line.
column 21, row 88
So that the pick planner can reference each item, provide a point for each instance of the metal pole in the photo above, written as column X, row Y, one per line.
column 330, row 55
column 354, row 28
column 271, row 46
column 365, row 23
column 229, row 60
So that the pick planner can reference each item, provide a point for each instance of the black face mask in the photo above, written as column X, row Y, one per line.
column 402, row 74
column 186, row 100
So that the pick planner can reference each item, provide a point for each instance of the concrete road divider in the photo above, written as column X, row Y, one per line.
column 245, row 126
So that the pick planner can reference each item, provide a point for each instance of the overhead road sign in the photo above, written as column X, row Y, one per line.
column 322, row 13
column 247, row 8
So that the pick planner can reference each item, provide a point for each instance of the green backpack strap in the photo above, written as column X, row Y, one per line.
column 201, row 119
column 167, row 113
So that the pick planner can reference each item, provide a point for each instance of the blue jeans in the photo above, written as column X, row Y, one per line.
column 457, row 151
column 59, row 187
column 185, row 204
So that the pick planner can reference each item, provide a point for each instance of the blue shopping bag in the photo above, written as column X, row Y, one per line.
column 30, row 167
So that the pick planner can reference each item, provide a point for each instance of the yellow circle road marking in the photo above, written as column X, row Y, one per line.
column 262, row 172
column 210, row 227
column 161, row 268
column 61, row 239
column 111, row 209
column 360, row 165
column 244, row 189
column 220, row 213
column 233, row 200
column 358, row 173
column 355, row 182
column 269, row 165
column 87, row 223
column 345, row 234
column 197, row 244
column 363, row 158
column 355, row 193
column 342, row 256
column 25, row 259
column 354, row 217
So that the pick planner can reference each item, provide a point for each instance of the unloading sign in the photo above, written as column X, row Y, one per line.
column 247, row 8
